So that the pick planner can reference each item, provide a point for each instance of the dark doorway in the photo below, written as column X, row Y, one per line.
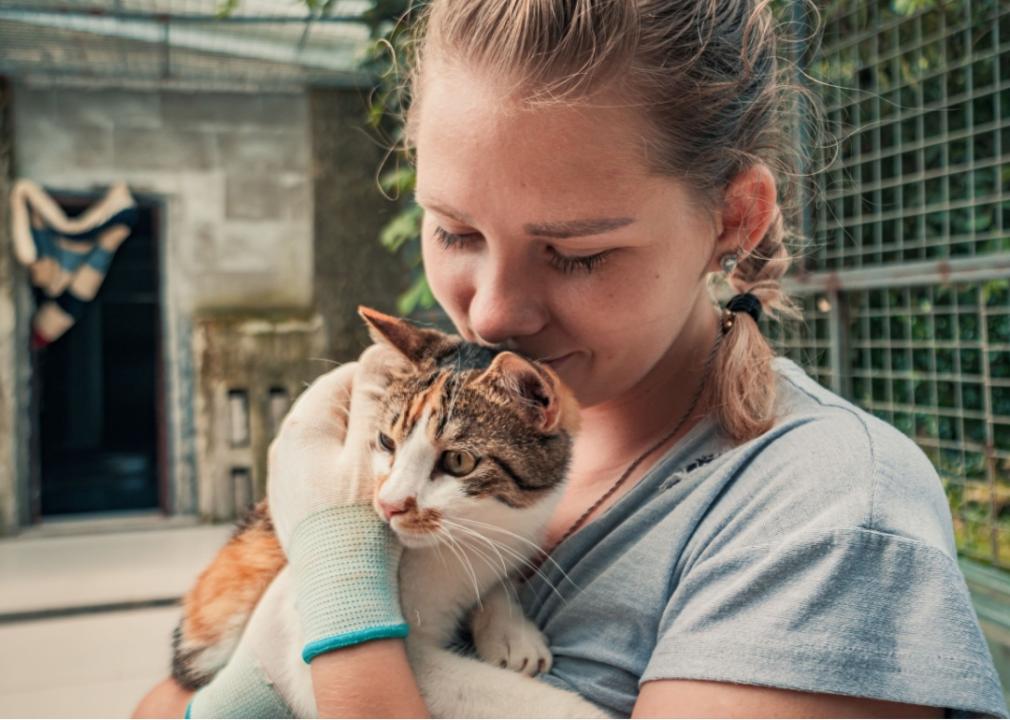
column 99, row 389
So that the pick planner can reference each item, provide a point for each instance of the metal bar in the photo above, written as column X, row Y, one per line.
column 837, row 340
column 100, row 12
column 969, row 269
column 331, row 59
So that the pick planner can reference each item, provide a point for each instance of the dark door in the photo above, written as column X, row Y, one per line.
column 98, row 390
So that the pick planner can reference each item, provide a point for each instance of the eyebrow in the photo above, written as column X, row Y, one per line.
column 554, row 230
column 577, row 228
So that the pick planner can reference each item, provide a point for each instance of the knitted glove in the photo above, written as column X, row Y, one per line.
column 343, row 558
column 247, row 686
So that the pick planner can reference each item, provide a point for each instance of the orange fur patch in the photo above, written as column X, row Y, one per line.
column 424, row 401
column 232, row 584
column 420, row 521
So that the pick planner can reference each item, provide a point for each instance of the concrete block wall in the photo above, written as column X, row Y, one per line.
column 248, row 369
column 233, row 173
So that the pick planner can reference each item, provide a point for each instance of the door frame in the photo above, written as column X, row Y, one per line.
column 74, row 201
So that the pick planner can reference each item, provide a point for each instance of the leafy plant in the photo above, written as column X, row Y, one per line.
column 388, row 61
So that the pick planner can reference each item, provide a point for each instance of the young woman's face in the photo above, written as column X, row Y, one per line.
column 543, row 230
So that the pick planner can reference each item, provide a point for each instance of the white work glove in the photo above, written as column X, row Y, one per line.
column 264, row 677
column 343, row 557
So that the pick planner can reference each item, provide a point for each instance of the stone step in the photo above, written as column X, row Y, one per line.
column 47, row 573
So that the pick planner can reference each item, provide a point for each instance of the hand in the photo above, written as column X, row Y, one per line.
column 264, row 677
column 344, row 559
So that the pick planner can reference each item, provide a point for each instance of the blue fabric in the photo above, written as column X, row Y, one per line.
column 818, row 557
column 100, row 259
column 47, row 243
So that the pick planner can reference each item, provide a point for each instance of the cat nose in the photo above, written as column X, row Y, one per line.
column 389, row 509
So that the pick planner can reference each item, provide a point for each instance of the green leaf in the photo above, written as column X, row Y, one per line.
column 403, row 228
column 417, row 297
column 400, row 181
column 996, row 292
column 226, row 7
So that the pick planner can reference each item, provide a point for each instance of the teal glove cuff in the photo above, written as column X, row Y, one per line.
column 344, row 562
column 239, row 690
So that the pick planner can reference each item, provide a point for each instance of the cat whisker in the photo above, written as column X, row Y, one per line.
column 441, row 557
column 522, row 560
column 504, row 566
column 466, row 543
column 335, row 363
column 503, row 578
column 539, row 550
column 454, row 546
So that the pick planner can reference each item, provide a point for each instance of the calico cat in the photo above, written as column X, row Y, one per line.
column 470, row 454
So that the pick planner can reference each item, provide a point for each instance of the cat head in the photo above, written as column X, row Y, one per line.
column 467, row 436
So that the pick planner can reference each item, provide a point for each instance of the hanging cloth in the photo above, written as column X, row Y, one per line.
column 67, row 258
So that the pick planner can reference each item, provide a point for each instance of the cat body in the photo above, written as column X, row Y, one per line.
column 470, row 454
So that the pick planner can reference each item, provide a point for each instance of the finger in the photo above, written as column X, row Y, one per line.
column 381, row 362
column 325, row 404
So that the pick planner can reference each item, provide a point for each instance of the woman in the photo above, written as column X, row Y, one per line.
column 747, row 542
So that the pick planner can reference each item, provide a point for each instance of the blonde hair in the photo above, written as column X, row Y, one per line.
column 720, row 58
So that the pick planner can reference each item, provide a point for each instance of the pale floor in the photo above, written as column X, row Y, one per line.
column 99, row 663
column 84, row 666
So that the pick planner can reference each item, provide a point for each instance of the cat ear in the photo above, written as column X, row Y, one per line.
column 538, row 387
column 414, row 343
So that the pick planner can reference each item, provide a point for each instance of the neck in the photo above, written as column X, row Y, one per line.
column 616, row 432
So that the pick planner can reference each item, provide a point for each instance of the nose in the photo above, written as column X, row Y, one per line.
column 389, row 509
column 505, row 305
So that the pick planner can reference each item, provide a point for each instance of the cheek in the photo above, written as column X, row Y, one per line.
column 628, row 300
column 443, row 495
column 450, row 277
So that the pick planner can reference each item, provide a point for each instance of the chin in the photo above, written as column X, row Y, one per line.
column 415, row 540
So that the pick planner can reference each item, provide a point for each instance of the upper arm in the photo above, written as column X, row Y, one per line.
column 702, row 698
column 853, row 613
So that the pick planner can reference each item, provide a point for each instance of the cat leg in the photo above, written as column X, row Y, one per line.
column 503, row 635
column 457, row 686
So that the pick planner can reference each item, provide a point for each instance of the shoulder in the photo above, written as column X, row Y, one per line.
column 829, row 465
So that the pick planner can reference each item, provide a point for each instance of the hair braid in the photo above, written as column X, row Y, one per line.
column 744, row 388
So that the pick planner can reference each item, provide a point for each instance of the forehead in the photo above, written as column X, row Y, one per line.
column 476, row 141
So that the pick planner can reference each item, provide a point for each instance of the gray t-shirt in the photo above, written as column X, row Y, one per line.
column 818, row 556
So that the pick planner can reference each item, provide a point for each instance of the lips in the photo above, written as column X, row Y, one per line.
column 558, row 360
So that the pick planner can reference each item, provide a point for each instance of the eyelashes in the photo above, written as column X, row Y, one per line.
column 564, row 263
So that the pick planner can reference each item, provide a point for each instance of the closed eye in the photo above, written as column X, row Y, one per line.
column 565, row 263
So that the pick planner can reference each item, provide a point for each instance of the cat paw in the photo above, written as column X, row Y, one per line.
column 514, row 643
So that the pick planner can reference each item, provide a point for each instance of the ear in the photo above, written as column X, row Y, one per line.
column 414, row 343
column 536, row 387
column 749, row 208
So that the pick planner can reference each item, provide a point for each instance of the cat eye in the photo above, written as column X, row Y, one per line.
column 457, row 462
column 386, row 442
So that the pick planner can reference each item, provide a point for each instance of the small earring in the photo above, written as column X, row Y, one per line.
column 728, row 262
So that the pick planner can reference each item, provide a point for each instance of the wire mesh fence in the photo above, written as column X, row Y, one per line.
column 906, row 290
